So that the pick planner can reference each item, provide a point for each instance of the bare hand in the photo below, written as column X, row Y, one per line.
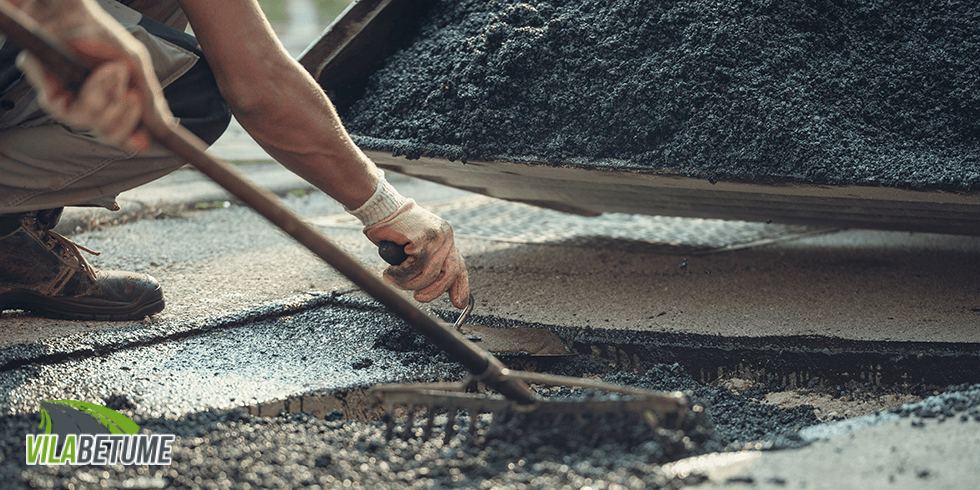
column 120, row 96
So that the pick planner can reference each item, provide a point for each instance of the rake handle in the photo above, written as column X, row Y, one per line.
column 24, row 32
column 183, row 143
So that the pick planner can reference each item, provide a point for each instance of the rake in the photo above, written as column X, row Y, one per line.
column 514, row 397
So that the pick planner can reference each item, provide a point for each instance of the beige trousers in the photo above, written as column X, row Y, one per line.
column 45, row 164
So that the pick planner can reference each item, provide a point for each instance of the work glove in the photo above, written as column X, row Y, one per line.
column 433, row 266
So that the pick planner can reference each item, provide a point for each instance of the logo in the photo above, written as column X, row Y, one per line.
column 82, row 433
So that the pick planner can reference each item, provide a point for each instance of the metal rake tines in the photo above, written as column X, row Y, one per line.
column 419, row 409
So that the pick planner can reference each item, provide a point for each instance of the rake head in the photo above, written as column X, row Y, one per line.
column 576, row 408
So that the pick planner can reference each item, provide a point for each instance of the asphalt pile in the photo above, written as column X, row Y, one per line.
column 820, row 91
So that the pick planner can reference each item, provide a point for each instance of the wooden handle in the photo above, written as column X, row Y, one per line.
column 392, row 252
column 23, row 31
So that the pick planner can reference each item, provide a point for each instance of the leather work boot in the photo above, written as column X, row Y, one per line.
column 45, row 273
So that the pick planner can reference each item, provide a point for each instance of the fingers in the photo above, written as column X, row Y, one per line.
column 434, row 265
column 140, row 80
column 48, row 87
column 459, row 292
column 100, row 99
column 109, row 103
column 445, row 271
column 453, row 278
column 442, row 283
column 420, row 270
column 122, row 108
column 138, row 141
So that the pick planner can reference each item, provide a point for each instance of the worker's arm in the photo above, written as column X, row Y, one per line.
column 277, row 101
column 111, row 101
column 283, row 108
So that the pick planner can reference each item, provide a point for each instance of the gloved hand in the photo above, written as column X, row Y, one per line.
column 433, row 265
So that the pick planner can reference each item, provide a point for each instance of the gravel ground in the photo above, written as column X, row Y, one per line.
column 838, row 92
column 234, row 450
column 231, row 449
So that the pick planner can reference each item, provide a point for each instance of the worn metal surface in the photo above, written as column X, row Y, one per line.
column 350, row 45
column 517, row 341
column 654, row 409
column 590, row 191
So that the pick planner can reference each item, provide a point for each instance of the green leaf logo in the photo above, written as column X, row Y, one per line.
column 113, row 421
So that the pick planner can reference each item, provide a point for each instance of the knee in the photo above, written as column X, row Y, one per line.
column 195, row 100
column 194, row 97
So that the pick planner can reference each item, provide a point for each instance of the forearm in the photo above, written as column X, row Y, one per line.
column 296, row 123
column 277, row 101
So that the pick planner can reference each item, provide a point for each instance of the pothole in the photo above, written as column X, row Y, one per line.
column 828, row 379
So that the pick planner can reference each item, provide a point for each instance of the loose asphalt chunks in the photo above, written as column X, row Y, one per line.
column 817, row 91
column 230, row 448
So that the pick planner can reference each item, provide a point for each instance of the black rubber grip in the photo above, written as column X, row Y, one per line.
column 392, row 252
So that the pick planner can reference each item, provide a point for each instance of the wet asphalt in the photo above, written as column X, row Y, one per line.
column 255, row 324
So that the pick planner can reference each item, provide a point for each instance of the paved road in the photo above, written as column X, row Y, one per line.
column 226, row 272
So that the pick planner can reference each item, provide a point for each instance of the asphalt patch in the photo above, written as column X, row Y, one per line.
column 218, row 447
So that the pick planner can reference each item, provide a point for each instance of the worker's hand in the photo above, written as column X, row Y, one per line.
column 122, row 89
column 433, row 266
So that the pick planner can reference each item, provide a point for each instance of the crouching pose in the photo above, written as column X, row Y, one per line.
column 61, row 149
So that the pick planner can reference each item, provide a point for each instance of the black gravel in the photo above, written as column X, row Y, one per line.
column 739, row 419
column 866, row 92
column 231, row 449
column 958, row 402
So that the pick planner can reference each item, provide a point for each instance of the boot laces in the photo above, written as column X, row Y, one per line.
column 74, row 250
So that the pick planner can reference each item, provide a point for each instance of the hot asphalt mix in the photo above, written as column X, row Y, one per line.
column 817, row 91
column 181, row 376
column 232, row 449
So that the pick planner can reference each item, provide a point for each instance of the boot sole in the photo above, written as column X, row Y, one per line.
column 65, row 309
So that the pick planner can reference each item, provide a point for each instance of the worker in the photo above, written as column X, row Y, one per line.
column 61, row 149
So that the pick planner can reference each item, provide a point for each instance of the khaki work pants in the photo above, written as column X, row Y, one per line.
column 45, row 164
